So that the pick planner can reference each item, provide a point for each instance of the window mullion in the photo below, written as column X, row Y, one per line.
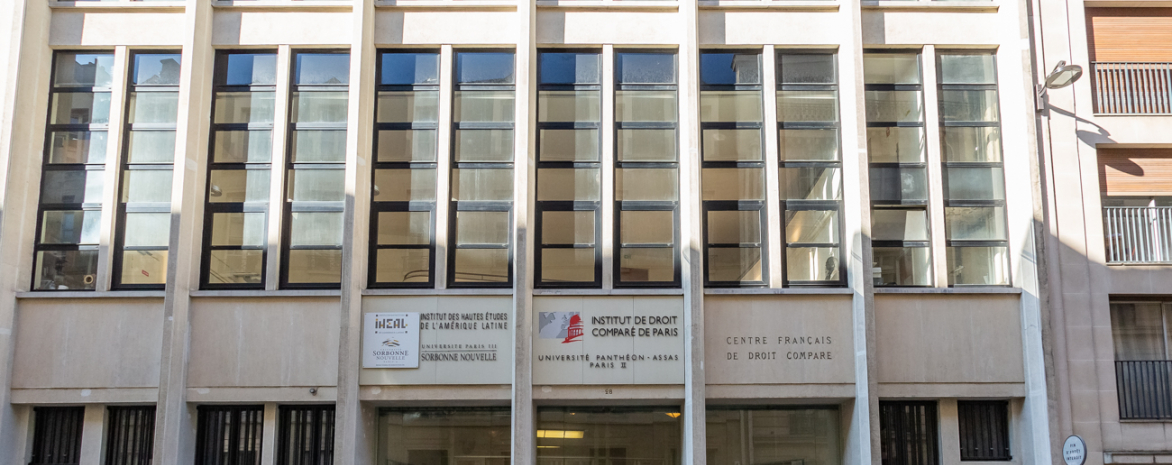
column 772, row 168
column 935, row 168
column 607, row 207
column 112, row 174
column 277, row 172
column 443, row 178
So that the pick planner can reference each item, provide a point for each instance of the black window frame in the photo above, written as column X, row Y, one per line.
column 130, row 434
column 896, row 435
column 984, row 430
column 321, row 422
column 205, row 445
column 57, row 435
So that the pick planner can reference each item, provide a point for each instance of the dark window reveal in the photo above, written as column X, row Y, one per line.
column 57, row 435
column 908, row 433
column 229, row 435
column 130, row 435
column 984, row 430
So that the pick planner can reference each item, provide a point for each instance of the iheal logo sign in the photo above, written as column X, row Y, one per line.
column 390, row 340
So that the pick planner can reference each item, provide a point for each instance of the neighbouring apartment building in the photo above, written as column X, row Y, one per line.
column 561, row 232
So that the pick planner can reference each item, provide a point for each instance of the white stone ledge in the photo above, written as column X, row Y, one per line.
column 462, row 5
column 915, row 390
column 175, row 6
column 437, row 292
column 437, row 395
column 85, row 396
column 931, row 5
column 262, row 394
column 314, row 5
column 948, row 290
column 610, row 4
column 768, row 394
column 92, row 295
column 608, row 292
column 803, row 5
column 277, row 294
column 779, row 291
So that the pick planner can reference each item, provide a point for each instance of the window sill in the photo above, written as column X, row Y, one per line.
column 436, row 4
column 930, row 5
column 778, row 291
column 816, row 5
column 437, row 292
column 267, row 4
column 622, row 291
column 267, row 293
column 175, row 5
column 611, row 4
column 91, row 295
column 948, row 290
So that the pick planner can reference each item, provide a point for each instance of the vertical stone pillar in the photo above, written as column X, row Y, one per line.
column 524, row 193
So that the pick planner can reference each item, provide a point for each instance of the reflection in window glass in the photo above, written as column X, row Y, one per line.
column 809, row 436
column 609, row 435
column 444, row 436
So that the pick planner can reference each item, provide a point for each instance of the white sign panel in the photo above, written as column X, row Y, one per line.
column 391, row 340
column 1074, row 451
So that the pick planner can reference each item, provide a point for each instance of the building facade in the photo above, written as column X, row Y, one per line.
column 555, row 232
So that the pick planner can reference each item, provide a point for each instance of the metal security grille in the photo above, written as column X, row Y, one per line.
column 984, row 430
column 57, row 435
column 908, row 433
column 131, row 435
column 229, row 435
column 1145, row 389
column 1124, row 88
column 306, row 435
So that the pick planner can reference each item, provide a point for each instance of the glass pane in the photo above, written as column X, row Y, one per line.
column 146, row 186
column 977, row 183
column 482, row 266
column 972, row 144
column 74, row 186
column 70, row 227
column 319, row 107
column 407, row 145
column 316, row 185
column 812, row 263
column 734, row 264
column 487, row 145
column 483, row 433
column 243, row 147
column 151, row 147
column 894, row 266
column 893, row 184
column 645, row 68
column 144, row 267
column 646, row 265
column 77, row 147
column 156, row 69
column 646, row 145
column 567, row 265
column 573, row 227
column 645, row 106
column 251, row 69
column 968, row 105
column 807, row 436
column 894, row 106
column 967, row 69
column 408, row 107
column 812, row 227
column 484, row 228
column 568, row 106
column 646, row 184
column 734, row 227
column 569, row 68
column 978, row 266
column 1138, row 331
column 730, row 68
column 899, row 225
column 316, row 228
column 83, row 69
column 236, row 267
column 403, row 228
column 61, row 270
column 315, row 266
column 807, row 106
column 568, row 145
column 733, row 184
column 568, row 184
column 322, row 69
column 975, row 223
column 646, row 227
column 80, row 108
column 732, row 144
column 808, row 144
column 153, row 107
column 482, row 184
column 409, row 68
column 811, row 183
column 238, row 229
column 238, row 186
column 891, row 68
column 245, row 107
column 484, row 68
column 404, row 185
column 730, row 106
column 146, row 230
column 805, row 69
column 402, row 265
column 895, row 145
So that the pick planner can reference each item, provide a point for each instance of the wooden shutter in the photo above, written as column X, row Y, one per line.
column 1130, row 34
column 1138, row 172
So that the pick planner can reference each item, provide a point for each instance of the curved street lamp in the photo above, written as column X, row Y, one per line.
column 1063, row 75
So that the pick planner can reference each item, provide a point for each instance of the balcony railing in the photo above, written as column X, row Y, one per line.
column 1145, row 389
column 1138, row 235
column 1133, row 88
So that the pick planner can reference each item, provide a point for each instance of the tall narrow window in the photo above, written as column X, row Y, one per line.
column 306, row 435
column 908, row 433
column 974, row 179
column 130, row 435
column 733, row 168
column 899, row 181
column 810, row 174
column 70, row 213
column 316, row 163
column 569, row 167
column 984, row 430
column 402, row 250
column 646, row 170
column 229, row 435
column 239, row 171
column 57, row 435
column 482, row 170
column 144, row 206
